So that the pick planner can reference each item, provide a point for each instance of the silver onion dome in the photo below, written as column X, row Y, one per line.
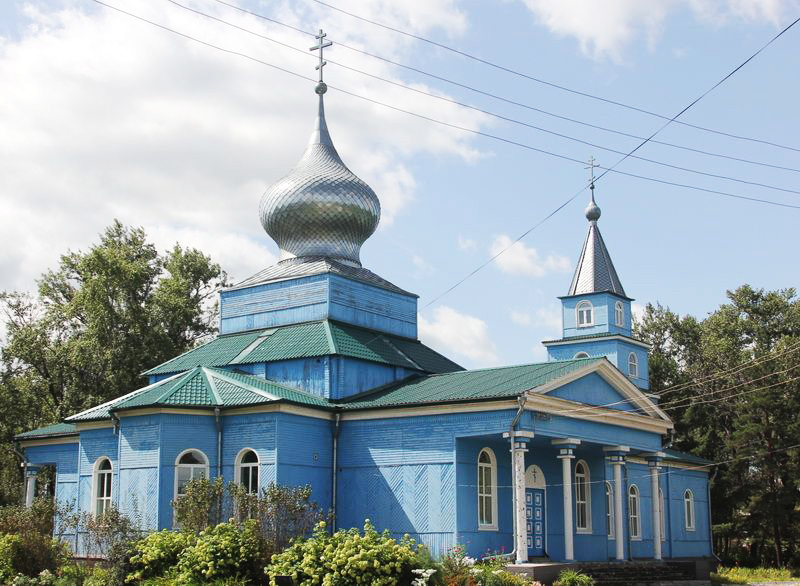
column 320, row 209
column 592, row 210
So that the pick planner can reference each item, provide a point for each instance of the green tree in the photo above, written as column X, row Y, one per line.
column 99, row 320
column 730, row 383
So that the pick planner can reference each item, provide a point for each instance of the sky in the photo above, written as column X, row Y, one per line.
column 105, row 116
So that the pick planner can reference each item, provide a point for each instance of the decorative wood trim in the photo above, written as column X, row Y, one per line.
column 52, row 441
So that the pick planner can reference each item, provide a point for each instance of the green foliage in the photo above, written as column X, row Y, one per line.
column 208, row 502
column 346, row 558
column 749, row 575
column 157, row 554
column 457, row 569
column 37, row 518
column 222, row 552
column 100, row 318
column 573, row 578
column 29, row 554
column 731, row 383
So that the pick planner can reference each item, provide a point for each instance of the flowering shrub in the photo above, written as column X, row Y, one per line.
column 345, row 558
column 458, row 569
column 224, row 551
column 157, row 554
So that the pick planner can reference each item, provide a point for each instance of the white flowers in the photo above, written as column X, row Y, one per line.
column 422, row 577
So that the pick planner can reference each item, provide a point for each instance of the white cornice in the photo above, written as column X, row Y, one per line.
column 579, row 340
column 49, row 441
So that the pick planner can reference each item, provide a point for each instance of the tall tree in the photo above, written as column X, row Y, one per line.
column 99, row 320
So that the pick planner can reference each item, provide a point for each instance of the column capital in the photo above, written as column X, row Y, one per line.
column 654, row 459
column 522, row 435
column 566, row 443
column 616, row 453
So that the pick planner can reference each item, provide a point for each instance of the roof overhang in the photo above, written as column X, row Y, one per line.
column 584, row 339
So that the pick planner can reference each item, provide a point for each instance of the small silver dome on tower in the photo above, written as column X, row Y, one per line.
column 592, row 210
column 320, row 209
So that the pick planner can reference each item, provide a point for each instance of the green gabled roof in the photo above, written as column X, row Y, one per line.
column 103, row 411
column 57, row 429
column 212, row 387
column 675, row 455
column 310, row 340
column 467, row 385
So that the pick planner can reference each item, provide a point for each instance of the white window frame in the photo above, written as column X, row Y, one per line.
column 663, row 515
column 489, row 496
column 633, row 365
column 583, row 480
column 619, row 314
column 610, row 514
column 581, row 355
column 688, row 509
column 634, row 513
column 240, row 465
column 193, row 467
column 99, row 479
column 584, row 306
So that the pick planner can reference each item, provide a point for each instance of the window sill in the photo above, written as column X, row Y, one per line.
column 587, row 531
column 487, row 528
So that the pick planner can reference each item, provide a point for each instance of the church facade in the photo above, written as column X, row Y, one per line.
column 317, row 377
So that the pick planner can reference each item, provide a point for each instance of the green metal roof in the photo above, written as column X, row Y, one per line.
column 103, row 411
column 467, row 385
column 57, row 429
column 310, row 340
column 675, row 455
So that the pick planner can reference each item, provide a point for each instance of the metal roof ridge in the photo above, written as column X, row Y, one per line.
column 384, row 387
column 212, row 385
column 330, row 337
column 179, row 356
column 177, row 384
column 401, row 353
column 244, row 385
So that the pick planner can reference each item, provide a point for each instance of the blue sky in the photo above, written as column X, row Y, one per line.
column 104, row 117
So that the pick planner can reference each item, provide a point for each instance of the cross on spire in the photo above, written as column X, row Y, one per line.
column 321, row 45
column 591, row 167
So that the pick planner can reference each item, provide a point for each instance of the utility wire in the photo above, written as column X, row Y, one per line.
column 554, row 85
column 504, row 99
column 483, row 111
column 443, row 123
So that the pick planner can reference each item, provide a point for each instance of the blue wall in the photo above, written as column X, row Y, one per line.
column 593, row 390
column 314, row 298
column 604, row 317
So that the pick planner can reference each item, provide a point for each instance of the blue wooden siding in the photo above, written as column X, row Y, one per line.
column 616, row 351
column 304, row 455
column 139, row 446
column 593, row 390
column 314, row 298
column 604, row 316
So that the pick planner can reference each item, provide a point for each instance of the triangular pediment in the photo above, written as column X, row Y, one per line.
column 600, row 384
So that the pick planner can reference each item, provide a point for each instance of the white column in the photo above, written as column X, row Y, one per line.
column 566, row 481
column 656, row 512
column 521, row 537
column 30, row 490
column 618, row 535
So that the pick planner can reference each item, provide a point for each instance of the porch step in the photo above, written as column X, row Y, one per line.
column 635, row 574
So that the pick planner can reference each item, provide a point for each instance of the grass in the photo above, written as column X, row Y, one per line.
column 748, row 575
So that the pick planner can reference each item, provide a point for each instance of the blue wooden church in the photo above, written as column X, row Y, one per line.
column 317, row 377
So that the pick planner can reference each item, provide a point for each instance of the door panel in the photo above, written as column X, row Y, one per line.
column 535, row 521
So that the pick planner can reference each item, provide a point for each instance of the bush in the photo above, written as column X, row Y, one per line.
column 38, row 518
column 29, row 554
column 157, row 554
column 346, row 558
column 223, row 552
column 573, row 578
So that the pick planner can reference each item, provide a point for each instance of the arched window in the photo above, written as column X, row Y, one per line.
column 103, row 474
column 190, row 465
column 581, row 355
column 487, row 490
column 688, row 508
column 583, row 498
column 634, row 516
column 633, row 365
column 619, row 314
column 585, row 314
column 663, row 527
column 609, row 511
column 247, row 471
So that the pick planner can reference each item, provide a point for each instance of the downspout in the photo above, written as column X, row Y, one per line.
column 521, row 401
column 710, row 526
column 334, row 471
column 116, row 493
column 628, row 510
column 218, row 421
column 24, row 458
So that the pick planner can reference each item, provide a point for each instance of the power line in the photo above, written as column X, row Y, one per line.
column 441, row 122
column 501, row 98
column 554, row 85
column 487, row 112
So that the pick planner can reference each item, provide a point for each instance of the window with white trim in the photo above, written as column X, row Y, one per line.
column 688, row 509
column 103, row 477
column 609, row 511
column 619, row 314
column 247, row 471
column 583, row 498
column 634, row 513
column 581, row 355
column 584, row 314
column 487, row 490
column 633, row 365
column 663, row 526
column 190, row 465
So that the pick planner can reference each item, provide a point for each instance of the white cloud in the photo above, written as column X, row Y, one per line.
column 519, row 259
column 607, row 29
column 422, row 268
column 521, row 318
column 547, row 318
column 458, row 334
column 106, row 117
column 466, row 244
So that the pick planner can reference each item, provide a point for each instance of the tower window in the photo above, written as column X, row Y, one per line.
column 585, row 314
column 633, row 365
column 619, row 314
column 581, row 355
